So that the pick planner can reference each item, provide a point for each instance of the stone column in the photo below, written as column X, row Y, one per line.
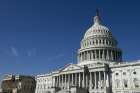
column 55, row 81
column 59, row 80
column 84, row 56
column 99, row 79
column 99, row 54
column 91, row 55
column 86, row 81
column 79, row 80
column 95, row 80
column 75, row 79
column 52, row 82
column 90, row 80
column 104, row 79
column 65, row 81
column 83, row 80
column 103, row 54
column 62, row 81
column 87, row 55
column 68, row 80
column 72, row 79
column 95, row 54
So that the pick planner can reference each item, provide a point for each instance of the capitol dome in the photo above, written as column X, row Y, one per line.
column 97, row 29
column 98, row 45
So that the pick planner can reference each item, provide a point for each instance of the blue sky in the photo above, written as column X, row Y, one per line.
column 37, row 36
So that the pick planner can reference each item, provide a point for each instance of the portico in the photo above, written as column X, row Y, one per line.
column 95, row 80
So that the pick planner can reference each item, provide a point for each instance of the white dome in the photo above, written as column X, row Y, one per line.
column 98, row 45
column 97, row 29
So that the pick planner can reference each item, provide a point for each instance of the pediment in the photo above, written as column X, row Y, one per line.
column 71, row 67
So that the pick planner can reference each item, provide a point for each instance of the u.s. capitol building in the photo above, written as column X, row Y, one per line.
column 99, row 68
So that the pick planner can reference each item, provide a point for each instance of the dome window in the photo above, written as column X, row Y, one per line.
column 100, row 41
column 134, row 72
column 103, row 41
column 117, row 74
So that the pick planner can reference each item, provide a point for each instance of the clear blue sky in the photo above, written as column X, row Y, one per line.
column 37, row 36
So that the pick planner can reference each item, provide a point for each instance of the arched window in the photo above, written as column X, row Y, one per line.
column 134, row 72
column 136, row 82
column 125, row 82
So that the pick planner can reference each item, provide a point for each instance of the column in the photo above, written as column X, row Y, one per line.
column 95, row 79
column 83, row 80
column 99, row 79
column 87, row 55
column 72, row 79
column 75, row 79
column 90, row 80
column 95, row 52
column 68, row 80
column 104, row 79
column 79, row 80
column 103, row 54
column 59, row 81
column 65, row 81
column 52, row 81
column 99, row 54
column 84, row 56
column 55, row 84
column 91, row 55
column 107, row 82
column 86, row 81
column 62, row 81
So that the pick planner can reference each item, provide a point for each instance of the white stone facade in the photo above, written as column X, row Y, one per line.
column 100, row 68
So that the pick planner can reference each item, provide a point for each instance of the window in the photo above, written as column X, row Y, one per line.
column 136, row 84
column 125, row 83
column 117, row 74
column 134, row 72
column 124, row 73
